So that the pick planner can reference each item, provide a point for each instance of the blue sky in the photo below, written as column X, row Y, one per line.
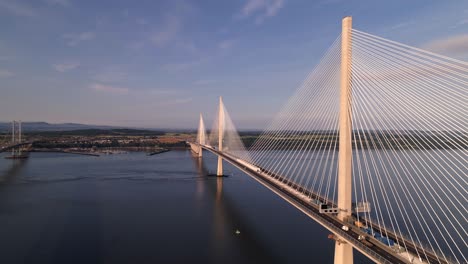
column 160, row 63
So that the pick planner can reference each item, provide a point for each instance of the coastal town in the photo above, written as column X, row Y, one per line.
column 100, row 141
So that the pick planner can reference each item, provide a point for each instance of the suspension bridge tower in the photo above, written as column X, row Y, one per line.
column 16, row 139
column 343, row 251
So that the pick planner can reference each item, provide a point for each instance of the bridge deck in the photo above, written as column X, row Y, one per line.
column 9, row 147
column 291, row 193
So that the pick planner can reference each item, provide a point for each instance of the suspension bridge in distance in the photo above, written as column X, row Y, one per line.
column 17, row 145
column 372, row 146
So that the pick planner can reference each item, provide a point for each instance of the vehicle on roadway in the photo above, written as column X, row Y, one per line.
column 364, row 241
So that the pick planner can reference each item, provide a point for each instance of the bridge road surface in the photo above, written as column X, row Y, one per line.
column 409, row 245
column 382, row 250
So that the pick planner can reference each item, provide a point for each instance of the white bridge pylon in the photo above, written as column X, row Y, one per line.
column 223, row 137
column 201, row 135
column 221, row 126
column 217, row 132
column 344, row 251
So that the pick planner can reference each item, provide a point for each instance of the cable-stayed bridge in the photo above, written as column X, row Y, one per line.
column 372, row 146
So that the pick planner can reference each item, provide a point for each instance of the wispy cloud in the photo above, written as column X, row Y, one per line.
column 58, row 2
column 162, row 91
column 261, row 9
column 204, row 82
column 136, row 45
column 184, row 65
column 177, row 101
column 16, row 8
column 455, row 45
column 462, row 22
column 111, row 75
column 188, row 46
column 142, row 21
column 109, row 89
column 168, row 32
column 226, row 44
column 328, row 2
column 74, row 39
column 64, row 67
column 402, row 25
column 5, row 73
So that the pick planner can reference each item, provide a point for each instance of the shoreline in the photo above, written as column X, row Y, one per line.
column 107, row 151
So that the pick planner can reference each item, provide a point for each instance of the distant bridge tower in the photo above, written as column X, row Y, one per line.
column 220, row 136
column 201, row 135
column 16, row 139
column 15, row 132
column 343, row 251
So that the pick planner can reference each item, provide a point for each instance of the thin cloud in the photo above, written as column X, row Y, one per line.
column 188, row 46
column 252, row 6
column 184, row 65
column 142, row 21
column 226, row 44
column 109, row 89
column 18, row 9
column 455, row 45
column 5, row 73
column 58, row 2
column 328, row 2
column 111, row 75
column 64, row 67
column 74, row 39
column 462, row 22
column 262, row 9
column 136, row 45
column 170, row 30
column 178, row 101
column 162, row 92
column 402, row 25
column 204, row 82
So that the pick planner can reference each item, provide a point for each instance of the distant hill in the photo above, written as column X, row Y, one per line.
column 44, row 126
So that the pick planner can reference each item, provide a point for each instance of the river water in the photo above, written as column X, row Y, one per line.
column 133, row 208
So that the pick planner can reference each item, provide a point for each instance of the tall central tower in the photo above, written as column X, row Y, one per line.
column 343, row 251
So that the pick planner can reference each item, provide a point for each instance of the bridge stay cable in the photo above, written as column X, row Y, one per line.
column 409, row 143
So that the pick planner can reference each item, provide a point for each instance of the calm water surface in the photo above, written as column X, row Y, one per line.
column 133, row 208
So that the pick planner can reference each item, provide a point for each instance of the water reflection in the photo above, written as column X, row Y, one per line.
column 230, row 225
column 13, row 171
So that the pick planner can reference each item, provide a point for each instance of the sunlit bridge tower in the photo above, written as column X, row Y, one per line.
column 201, row 137
column 197, row 147
column 220, row 136
column 344, row 251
